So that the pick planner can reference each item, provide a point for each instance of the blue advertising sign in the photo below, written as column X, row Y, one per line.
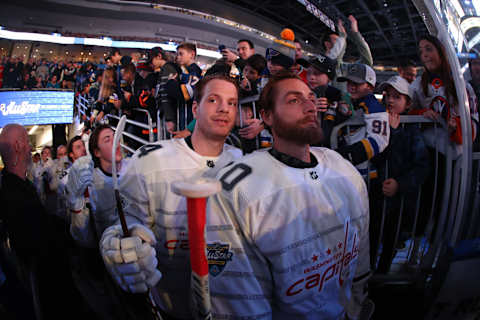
column 36, row 107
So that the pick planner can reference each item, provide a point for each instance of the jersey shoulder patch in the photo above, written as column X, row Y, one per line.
column 146, row 149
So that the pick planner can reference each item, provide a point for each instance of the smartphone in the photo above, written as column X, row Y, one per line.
column 221, row 47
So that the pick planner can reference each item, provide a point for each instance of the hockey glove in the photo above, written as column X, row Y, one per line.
column 79, row 178
column 131, row 261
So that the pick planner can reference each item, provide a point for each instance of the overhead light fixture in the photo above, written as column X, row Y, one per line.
column 33, row 129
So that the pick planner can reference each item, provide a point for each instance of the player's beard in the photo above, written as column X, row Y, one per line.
column 297, row 132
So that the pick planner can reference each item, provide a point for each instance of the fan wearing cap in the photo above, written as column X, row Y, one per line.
column 320, row 73
column 367, row 141
column 281, row 54
column 408, row 168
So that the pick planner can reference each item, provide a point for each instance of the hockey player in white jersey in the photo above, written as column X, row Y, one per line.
column 157, row 215
column 90, row 189
column 287, row 237
column 75, row 149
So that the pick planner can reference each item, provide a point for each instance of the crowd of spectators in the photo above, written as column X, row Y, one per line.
column 395, row 159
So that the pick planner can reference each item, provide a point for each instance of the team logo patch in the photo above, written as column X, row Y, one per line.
column 210, row 164
column 218, row 255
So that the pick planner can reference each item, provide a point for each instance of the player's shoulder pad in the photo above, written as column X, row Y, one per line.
column 372, row 104
column 147, row 148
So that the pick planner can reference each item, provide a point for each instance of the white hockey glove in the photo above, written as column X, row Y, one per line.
column 79, row 178
column 131, row 261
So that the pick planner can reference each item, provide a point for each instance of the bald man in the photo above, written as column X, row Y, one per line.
column 28, row 227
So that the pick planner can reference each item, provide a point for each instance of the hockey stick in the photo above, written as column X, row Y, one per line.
column 196, row 192
column 126, row 233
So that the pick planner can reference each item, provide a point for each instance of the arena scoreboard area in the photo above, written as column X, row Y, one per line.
column 36, row 107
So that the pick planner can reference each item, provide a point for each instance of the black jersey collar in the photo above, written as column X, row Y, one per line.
column 188, row 141
column 292, row 161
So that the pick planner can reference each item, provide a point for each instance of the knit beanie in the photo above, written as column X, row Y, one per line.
column 282, row 51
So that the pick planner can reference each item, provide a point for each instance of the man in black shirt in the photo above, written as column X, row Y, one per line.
column 28, row 227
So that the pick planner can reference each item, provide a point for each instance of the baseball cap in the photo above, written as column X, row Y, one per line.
column 324, row 64
column 398, row 83
column 359, row 73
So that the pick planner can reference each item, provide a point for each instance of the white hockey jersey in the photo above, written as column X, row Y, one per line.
column 286, row 241
column 101, row 202
column 146, row 192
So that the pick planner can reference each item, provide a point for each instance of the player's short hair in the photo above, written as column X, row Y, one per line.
column 250, row 43
column 269, row 93
column 200, row 87
column 93, row 143
column 70, row 146
column 130, row 67
column 257, row 62
column 188, row 46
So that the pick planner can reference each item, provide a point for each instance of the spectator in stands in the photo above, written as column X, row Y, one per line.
column 135, row 56
column 115, row 56
column 336, row 45
column 29, row 80
column 180, row 88
column 12, row 74
column 281, row 54
column 301, row 65
column 95, row 86
column 53, row 83
column 407, row 69
column 108, row 98
column 245, row 50
column 144, row 69
column 57, row 70
column 39, row 83
column 366, row 141
column 474, row 66
column 408, row 164
column 163, row 71
column 42, row 71
column 434, row 94
column 252, row 72
column 69, row 74
column 332, row 105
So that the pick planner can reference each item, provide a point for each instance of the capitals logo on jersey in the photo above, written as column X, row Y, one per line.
column 218, row 255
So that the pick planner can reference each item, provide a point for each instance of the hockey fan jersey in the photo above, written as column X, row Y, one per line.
column 436, row 100
column 363, row 143
column 146, row 191
column 286, row 239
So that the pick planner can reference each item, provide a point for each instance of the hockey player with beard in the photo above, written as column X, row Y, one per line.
column 156, row 216
column 287, row 237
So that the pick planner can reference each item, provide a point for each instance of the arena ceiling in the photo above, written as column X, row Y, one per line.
column 391, row 27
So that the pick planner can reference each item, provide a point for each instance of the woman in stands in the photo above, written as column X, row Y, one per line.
column 434, row 93
column 108, row 98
